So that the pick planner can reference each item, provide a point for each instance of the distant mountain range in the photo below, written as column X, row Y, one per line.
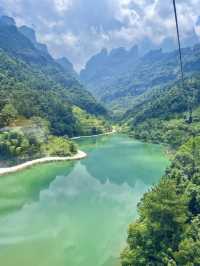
column 118, row 78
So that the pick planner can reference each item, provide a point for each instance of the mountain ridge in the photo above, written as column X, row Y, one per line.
column 120, row 89
column 33, row 83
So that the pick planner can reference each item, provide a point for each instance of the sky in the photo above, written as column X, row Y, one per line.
column 79, row 29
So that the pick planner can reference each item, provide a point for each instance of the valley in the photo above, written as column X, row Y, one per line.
column 139, row 125
column 122, row 78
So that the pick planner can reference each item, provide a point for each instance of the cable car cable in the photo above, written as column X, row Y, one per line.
column 181, row 61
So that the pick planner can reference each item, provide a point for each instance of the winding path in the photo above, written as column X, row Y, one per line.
column 78, row 156
column 90, row 136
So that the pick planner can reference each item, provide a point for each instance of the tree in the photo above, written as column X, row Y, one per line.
column 7, row 115
column 189, row 248
column 157, row 234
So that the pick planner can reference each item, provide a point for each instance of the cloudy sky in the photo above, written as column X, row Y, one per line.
column 78, row 29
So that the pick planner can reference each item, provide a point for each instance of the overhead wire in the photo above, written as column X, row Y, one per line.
column 179, row 42
column 190, row 111
column 190, row 118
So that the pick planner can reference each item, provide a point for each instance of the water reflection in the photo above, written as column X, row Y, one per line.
column 24, row 187
column 76, row 213
column 121, row 159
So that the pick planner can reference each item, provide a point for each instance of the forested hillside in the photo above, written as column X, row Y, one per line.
column 34, row 85
column 120, row 78
column 167, row 230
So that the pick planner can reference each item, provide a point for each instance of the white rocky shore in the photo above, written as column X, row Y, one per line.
column 78, row 156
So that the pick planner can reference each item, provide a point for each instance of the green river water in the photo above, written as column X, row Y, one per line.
column 77, row 213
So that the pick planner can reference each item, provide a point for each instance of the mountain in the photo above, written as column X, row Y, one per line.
column 14, row 42
column 21, row 43
column 67, row 66
column 30, row 34
column 8, row 21
column 104, row 68
column 162, row 117
column 165, row 103
column 118, row 78
column 169, row 115
column 34, row 84
column 107, row 64
column 168, row 44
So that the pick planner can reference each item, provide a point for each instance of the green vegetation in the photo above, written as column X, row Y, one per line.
column 42, row 105
column 37, row 85
column 120, row 79
column 56, row 146
column 167, row 230
column 33, row 141
column 8, row 115
column 33, row 84
column 88, row 124
column 162, row 116
column 27, row 95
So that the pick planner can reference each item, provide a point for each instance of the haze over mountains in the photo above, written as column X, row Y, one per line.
column 79, row 29
column 119, row 77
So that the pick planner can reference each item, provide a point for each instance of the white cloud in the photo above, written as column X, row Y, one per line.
column 70, row 39
column 62, row 5
column 80, row 28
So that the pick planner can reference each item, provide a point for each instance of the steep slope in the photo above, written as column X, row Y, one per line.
column 167, row 229
column 119, row 89
column 104, row 68
column 163, row 103
column 43, row 66
column 67, row 66
column 163, row 115
column 30, row 34
column 34, row 84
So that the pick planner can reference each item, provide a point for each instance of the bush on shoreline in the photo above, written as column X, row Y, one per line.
column 19, row 145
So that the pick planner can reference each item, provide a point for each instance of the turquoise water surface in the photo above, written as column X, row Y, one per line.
column 77, row 213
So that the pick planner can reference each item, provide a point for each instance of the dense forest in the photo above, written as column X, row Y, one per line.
column 35, row 87
column 167, row 230
column 121, row 78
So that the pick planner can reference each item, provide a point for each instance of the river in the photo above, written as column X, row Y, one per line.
column 77, row 213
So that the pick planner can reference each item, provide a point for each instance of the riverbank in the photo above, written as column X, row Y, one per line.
column 98, row 135
column 66, row 197
column 78, row 156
